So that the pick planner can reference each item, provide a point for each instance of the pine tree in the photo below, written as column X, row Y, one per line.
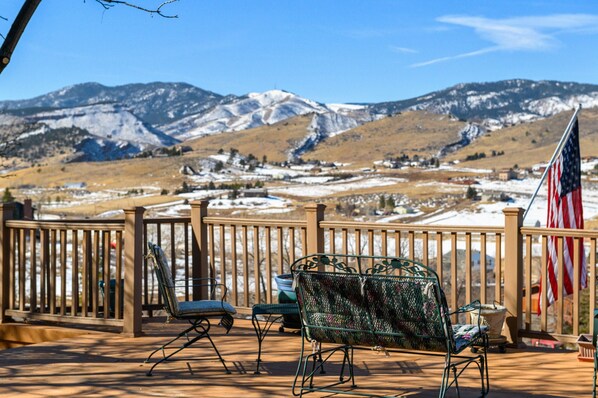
column 382, row 203
column 7, row 197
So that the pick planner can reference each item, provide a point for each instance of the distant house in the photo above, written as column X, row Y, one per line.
column 75, row 185
column 506, row 175
column 403, row 210
column 255, row 193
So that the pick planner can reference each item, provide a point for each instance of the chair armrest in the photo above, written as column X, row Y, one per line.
column 211, row 283
column 475, row 305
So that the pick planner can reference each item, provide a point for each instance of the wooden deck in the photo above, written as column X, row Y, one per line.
column 107, row 365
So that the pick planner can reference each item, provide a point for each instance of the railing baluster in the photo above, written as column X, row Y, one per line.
column 256, row 264
column 483, row 269
column 222, row 255
column 384, row 242
column 439, row 259
column 75, row 272
column 268, row 259
column 146, row 272
column 454, row 282
column 12, row 275
column 576, row 278
column 411, row 245
column 106, row 272
column 118, row 293
column 528, row 282
column 173, row 254
column 425, row 253
column 233, row 260
column 43, row 268
column 560, row 303
column 52, row 287
column 331, row 241
column 245, row 266
column 95, row 272
column 345, row 238
column 291, row 245
column 86, row 274
column 304, row 242
column 212, row 251
column 63, row 267
column 22, row 273
column 33, row 270
column 543, row 295
column 468, row 267
column 498, row 269
column 186, row 251
column 280, row 250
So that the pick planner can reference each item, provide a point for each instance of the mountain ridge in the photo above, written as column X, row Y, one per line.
column 141, row 116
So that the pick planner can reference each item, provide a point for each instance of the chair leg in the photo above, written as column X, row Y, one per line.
column 201, row 330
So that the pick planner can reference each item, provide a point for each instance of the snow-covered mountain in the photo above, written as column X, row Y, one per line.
column 253, row 110
column 258, row 109
column 134, row 117
column 154, row 103
column 499, row 104
column 93, row 132
column 105, row 121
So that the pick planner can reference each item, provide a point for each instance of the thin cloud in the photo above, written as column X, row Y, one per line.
column 532, row 33
column 403, row 50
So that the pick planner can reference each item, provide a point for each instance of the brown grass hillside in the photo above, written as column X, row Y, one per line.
column 410, row 133
column 528, row 144
column 273, row 141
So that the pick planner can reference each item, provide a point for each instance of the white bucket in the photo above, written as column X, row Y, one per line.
column 491, row 315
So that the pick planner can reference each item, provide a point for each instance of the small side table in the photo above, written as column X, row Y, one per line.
column 271, row 313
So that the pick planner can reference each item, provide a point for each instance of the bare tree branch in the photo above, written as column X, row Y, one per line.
column 29, row 6
column 107, row 4
column 16, row 30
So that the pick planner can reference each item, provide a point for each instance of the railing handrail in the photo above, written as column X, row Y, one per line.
column 255, row 222
column 410, row 227
column 573, row 233
column 111, row 225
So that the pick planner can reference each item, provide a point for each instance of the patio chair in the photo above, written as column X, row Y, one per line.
column 197, row 313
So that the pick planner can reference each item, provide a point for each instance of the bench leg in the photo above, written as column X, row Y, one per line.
column 457, row 365
column 317, row 360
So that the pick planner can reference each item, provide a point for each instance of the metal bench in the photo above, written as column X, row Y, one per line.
column 388, row 303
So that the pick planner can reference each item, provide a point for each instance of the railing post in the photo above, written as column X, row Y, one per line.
column 314, row 213
column 199, row 247
column 6, row 213
column 513, row 272
column 133, row 271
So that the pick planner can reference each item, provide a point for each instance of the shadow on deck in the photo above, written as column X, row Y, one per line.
column 106, row 365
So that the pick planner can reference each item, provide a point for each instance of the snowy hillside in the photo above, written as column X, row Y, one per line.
column 254, row 110
column 499, row 104
column 105, row 121
column 155, row 103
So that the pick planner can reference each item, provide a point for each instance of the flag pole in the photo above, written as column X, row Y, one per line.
column 557, row 151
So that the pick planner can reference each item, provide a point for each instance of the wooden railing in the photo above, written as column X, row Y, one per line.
column 52, row 270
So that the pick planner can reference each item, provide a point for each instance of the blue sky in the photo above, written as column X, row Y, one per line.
column 325, row 50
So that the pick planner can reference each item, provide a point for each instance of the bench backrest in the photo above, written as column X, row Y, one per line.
column 374, row 301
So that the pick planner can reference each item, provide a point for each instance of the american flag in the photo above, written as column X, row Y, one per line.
column 565, row 210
